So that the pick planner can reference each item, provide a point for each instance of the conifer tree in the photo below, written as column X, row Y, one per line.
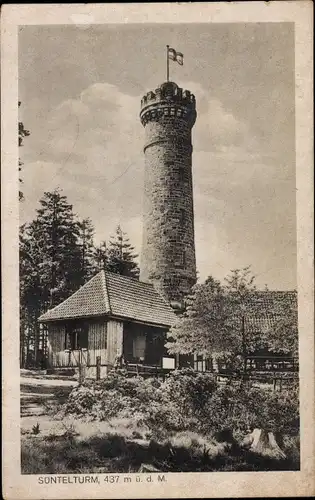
column 22, row 133
column 58, row 234
column 50, row 263
column 30, row 293
column 86, row 234
column 100, row 256
column 121, row 256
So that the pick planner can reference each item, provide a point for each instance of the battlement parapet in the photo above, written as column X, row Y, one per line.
column 169, row 91
column 168, row 100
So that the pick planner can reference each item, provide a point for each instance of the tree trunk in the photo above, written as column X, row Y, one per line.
column 264, row 443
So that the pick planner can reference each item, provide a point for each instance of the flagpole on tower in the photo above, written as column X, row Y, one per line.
column 167, row 64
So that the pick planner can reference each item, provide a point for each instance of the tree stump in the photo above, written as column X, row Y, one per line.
column 264, row 443
column 148, row 468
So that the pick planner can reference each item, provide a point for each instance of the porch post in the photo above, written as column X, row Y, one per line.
column 98, row 367
column 177, row 361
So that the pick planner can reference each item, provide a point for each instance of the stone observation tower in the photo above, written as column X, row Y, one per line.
column 168, row 248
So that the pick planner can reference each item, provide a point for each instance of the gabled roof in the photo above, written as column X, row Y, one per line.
column 265, row 307
column 109, row 294
column 268, row 315
column 272, row 299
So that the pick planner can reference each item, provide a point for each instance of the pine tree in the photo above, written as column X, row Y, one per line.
column 86, row 234
column 121, row 256
column 100, row 256
column 58, row 234
column 22, row 133
column 50, row 265
column 30, row 293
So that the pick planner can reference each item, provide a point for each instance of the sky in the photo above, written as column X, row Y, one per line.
column 81, row 88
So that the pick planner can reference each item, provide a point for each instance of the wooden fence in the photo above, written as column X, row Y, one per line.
column 278, row 379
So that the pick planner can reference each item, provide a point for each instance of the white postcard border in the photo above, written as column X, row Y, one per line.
column 178, row 485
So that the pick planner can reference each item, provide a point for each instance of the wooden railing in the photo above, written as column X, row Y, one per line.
column 146, row 370
column 276, row 379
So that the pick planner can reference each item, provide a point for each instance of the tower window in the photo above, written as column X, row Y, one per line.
column 184, row 258
column 169, row 163
column 182, row 216
column 181, row 175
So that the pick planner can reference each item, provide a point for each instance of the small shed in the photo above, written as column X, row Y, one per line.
column 110, row 317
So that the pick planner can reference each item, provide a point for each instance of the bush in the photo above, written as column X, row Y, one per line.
column 242, row 408
column 186, row 423
column 115, row 396
column 186, row 401
column 190, row 390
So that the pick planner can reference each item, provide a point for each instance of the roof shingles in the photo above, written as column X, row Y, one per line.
column 114, row 295
column 133, row 299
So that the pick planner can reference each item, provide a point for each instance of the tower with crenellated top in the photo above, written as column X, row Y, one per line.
column 168, row 247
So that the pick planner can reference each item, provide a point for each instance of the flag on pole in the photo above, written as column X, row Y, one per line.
column 175, row 56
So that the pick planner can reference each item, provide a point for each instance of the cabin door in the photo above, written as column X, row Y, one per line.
column 154, row 349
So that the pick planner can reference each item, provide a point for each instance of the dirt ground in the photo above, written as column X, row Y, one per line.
column 37, row 394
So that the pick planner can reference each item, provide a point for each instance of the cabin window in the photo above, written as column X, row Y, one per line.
column 199, row 362
column 76, row 336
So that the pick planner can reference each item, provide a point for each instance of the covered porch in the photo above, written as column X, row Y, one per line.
column 144, row 351
column 144, row 344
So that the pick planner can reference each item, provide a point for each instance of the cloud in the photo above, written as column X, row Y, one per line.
column 93, row 151
column 101, row 126
column 105, row 205
column 96, row 140
column 101, row 129
column 244, row 214
column 217, row 128
column 91, row 147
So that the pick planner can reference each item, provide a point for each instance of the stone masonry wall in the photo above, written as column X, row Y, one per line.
column 168, row 249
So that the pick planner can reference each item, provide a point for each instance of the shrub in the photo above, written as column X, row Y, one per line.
column 108, row 446
column 186, row 401
column 36, row 429
column 291, row 447
column 242, row 408
column 190, row 390
column 115, row 396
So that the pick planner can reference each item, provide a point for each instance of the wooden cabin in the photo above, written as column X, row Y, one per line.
column 110, row 318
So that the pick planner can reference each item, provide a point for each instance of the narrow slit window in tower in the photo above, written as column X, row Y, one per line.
column 182, row 216
column 169, row 163
column 184, row 258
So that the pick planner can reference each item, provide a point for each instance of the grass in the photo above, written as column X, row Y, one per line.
column 146, row 436
column 118, row 451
